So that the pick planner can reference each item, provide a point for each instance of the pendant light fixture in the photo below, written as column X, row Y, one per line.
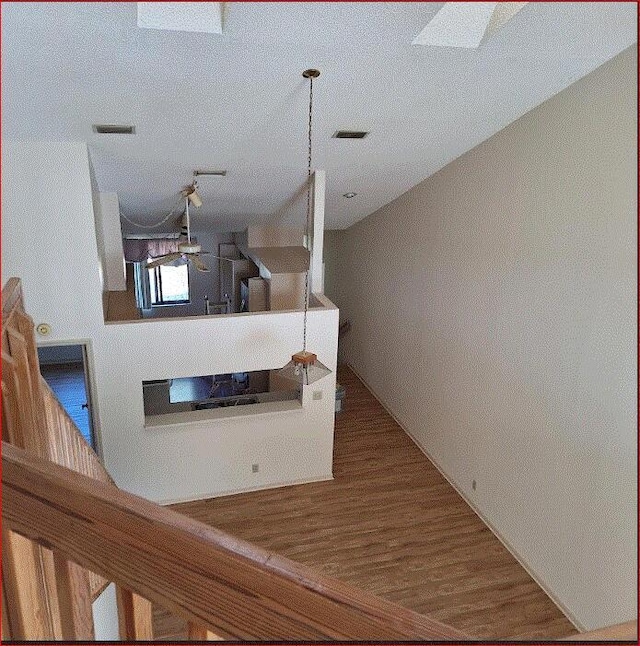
column 304, row 367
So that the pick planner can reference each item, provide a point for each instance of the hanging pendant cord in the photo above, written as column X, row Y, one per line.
column 152, row 226
column 186, row 210
column 140, row 225
column 306, row 278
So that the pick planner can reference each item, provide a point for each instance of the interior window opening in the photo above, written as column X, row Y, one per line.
column 204, row 392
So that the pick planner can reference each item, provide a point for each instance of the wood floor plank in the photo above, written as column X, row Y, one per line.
column 391, row 524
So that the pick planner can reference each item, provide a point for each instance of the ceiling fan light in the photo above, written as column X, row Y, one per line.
column 189, row 247
column 194, row 198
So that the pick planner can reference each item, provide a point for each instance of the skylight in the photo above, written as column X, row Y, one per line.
column 181, row 16
column 466, row 24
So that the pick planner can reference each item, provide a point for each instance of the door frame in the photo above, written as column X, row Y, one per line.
column 89, row 383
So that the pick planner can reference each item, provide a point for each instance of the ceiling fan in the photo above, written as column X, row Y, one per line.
column 188, row 249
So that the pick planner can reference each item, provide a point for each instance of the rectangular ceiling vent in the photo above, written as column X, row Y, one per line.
column 350, row 134
column 214, row 173
column 111, row 129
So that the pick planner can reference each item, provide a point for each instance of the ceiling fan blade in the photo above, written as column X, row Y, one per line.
column 203, row 251
column 200, row 266
column 163, row 260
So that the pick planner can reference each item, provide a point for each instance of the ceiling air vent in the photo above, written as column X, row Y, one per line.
column 215, row 173
column 350, row 134
column 110, row 129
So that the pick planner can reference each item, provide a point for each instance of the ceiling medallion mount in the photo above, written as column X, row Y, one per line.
column 311, row 73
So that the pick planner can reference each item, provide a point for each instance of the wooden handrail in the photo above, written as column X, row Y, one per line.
column 207, row 577
column 627, row 631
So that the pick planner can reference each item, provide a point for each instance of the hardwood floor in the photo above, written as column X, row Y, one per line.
column 391, row 524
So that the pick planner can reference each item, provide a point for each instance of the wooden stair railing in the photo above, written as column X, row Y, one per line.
column 625, row 632
column 221, row 585
column 33, row 419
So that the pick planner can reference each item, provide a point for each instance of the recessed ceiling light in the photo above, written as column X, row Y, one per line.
column 349, row 195
column 350, row 134
column 111, row 129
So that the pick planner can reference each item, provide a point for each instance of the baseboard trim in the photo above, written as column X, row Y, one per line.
column 235, row 492
column 577, row 625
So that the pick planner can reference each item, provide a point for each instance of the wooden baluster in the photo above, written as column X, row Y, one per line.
column 199, row 633
column 15, row 427
column 74, row 599
column 135, row 616
column 23, row 426
column 6, row 627
column 26, row 595
column 32, row 436
column 25, row 326
column 51, row 589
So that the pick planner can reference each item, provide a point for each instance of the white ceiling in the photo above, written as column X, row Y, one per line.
column 237, row 101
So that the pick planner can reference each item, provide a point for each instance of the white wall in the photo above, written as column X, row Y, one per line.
column 105, row 616
column 50, row 242
column 494, row 313
column 49, row 239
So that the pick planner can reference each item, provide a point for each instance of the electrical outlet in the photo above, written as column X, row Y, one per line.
column 317, row 394
column 254, row 468
column 473, row 485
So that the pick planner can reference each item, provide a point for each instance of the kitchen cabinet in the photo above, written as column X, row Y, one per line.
column 253, row 295
column 232, row 271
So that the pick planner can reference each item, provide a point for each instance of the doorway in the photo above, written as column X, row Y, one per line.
column 64, row 368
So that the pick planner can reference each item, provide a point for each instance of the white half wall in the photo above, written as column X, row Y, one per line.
column 493, row 311
column 209, row 458
column 49, row 242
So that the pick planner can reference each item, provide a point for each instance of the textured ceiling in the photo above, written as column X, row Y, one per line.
column 237, row 101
